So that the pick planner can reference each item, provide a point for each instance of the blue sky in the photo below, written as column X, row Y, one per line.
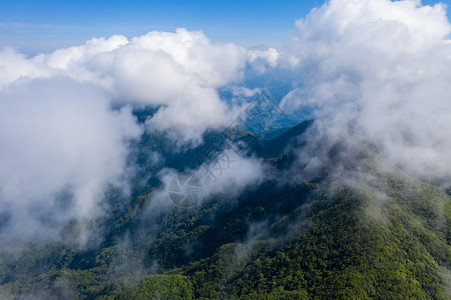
column 35, row 26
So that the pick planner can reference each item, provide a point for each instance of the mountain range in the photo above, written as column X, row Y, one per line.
column 348, row 230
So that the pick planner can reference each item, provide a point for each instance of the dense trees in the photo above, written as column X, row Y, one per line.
column 389, row 238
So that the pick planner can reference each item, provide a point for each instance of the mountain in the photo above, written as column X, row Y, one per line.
column 385, row 236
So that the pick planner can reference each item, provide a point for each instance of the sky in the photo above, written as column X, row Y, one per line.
column 373, row 72
column 33, row 26
column 41, row 26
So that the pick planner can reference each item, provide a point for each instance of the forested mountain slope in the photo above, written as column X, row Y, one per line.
column 385, row 236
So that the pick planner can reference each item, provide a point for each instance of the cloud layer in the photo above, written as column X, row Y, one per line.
column 177, row 72
column 378, row 72
column 60, row 145
column 61, row 139
column 374, row 72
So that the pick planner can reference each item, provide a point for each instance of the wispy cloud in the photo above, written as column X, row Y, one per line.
column 62, row 141
column 378, row 72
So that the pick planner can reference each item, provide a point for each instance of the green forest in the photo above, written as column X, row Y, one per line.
column 389, row 237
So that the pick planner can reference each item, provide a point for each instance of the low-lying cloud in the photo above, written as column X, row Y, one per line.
column 378, row 72
column 374, row 72
column 66, row 118
column 226, row 177
column 59, row 140
column 176, row 72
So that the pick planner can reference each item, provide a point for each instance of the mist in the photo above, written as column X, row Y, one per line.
column 373, row 76
column 61, row 145
column 377, row 73
column 67, row 123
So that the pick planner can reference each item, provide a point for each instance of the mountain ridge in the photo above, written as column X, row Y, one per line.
column 388, row 236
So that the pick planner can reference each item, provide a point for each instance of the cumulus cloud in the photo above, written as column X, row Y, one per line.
column 60, row 145
column 177, row 72
column 14, row 65
column 262, row 60
column 378, row 72
column 373, row 71
column 61, row 141
column 241, row 91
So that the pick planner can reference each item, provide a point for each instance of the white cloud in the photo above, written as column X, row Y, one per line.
column 58, row 136
column 241, row 91
column 74, row 57
column 14, row 65
column 379, row 72
column 178, row 71
column 231, row 174
column 262, row 60
column 227, row 177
